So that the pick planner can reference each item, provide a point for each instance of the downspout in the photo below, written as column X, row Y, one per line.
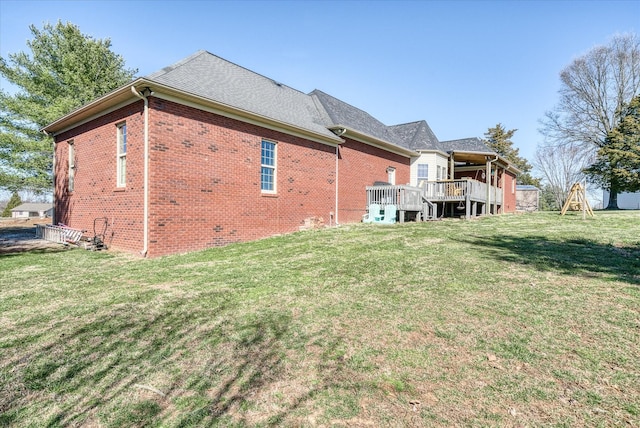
column 337, row 156
column 145, row 227
column 339, row 132
column 53, row 172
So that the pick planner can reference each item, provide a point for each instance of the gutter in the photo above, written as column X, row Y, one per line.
column 146, row 92
column 342, row 130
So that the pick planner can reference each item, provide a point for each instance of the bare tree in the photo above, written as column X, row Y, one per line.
column 562, row 166
column 594, row 89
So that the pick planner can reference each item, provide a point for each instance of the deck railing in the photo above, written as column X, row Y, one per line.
column 406, row 198
column 423, row 199
column 458, row 190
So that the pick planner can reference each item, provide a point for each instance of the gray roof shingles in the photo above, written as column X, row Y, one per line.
column 33, row 206
column 211, row 77
column 473, row 144
column 417, row 136
column 344, row 114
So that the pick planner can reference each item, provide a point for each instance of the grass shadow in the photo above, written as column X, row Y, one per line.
column 110, row 356
column 579, row 257
column 100, row 369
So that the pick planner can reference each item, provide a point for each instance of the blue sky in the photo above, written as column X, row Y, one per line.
column 463, row 66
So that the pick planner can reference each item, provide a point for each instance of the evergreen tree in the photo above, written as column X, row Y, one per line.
column 65, row 70
column 549, row 200
column 617, row 162
column 13, row 202
column 498, row 139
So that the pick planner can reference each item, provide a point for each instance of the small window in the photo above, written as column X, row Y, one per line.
column 268, row 167
column 72, row 165
column 439, row 172
column 391, row 175
column 122, row 155
column 423, row 171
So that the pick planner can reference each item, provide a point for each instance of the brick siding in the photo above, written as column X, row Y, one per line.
column 361, row 165
column 95, row 193
column 204, row 173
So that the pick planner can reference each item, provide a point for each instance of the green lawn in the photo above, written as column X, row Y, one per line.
column 515, row 320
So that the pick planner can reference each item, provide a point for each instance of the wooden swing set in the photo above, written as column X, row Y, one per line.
column 577, row 201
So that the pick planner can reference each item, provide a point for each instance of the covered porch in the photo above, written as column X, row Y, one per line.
column 464, row 196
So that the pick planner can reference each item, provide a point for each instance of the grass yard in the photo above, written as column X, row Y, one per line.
column 518, row 320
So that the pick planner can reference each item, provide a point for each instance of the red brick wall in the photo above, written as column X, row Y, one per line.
column 95, row 193
column 205, row 175
column 360, row 165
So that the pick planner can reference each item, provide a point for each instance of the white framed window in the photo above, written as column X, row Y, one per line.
column 391, row 175
column 121, row 172
column 423, row 171
column 268, row 167
column 72, row 166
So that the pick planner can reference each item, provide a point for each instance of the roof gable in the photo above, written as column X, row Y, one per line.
column 416, row 135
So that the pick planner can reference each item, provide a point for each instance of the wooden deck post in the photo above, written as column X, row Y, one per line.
column 467, row 202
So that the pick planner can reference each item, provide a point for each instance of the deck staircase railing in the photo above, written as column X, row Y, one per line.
column 407, row 197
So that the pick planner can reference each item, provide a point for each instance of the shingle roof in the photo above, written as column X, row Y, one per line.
column 33, row 206
column 416, row 136
column 343, row 114
column 473, row 144
column 211, row 77
column 236, row 89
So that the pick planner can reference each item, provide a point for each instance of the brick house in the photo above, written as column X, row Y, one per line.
column 204, row 153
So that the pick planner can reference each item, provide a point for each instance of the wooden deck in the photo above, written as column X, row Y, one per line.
column 432, row 198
